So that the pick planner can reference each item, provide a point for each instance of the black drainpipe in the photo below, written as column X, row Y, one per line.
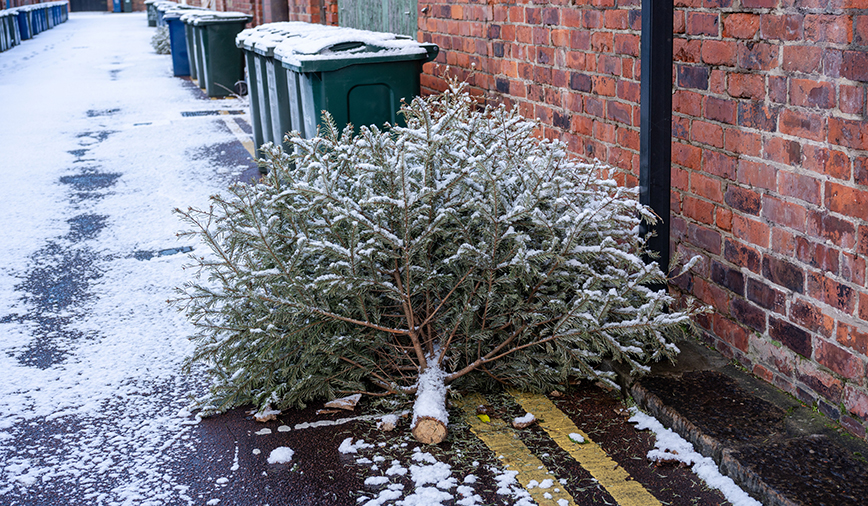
column 655, row 133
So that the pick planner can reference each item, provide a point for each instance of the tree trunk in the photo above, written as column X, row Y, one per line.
column 429, row 431
column 429, row 410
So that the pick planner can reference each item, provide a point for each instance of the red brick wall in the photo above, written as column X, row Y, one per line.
column 314, row 11
column 770, row 155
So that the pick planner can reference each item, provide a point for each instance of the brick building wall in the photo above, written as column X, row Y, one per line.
column 770, row 154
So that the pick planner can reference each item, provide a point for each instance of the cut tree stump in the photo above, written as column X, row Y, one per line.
column 429, row 431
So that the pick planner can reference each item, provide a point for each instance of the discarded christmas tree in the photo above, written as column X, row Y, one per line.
column 459, row 249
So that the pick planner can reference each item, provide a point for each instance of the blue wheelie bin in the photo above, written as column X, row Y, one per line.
column 178, row 42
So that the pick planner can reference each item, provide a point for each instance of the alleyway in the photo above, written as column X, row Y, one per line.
column 99, row 143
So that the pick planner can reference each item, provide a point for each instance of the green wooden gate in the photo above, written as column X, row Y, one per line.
column 393, row 16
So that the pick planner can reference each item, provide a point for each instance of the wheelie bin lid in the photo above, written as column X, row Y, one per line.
column 268, row 35
column 217, row 18
column 334, row 48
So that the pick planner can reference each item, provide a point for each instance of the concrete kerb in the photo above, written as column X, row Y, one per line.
column 800, row 421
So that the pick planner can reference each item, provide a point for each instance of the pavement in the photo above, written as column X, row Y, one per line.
column 777, row 449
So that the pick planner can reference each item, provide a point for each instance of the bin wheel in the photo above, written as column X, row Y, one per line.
column 241, row 88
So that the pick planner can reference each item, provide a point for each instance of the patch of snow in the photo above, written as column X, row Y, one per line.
column 577, row 438
column 672, row 447
column 280, row 455
column 263, row 432
column 284, row 428
column 527, row 418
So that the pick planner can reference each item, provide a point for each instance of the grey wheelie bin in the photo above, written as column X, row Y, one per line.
column 358, row 76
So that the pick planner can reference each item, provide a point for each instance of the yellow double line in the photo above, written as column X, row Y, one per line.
column 503, row 441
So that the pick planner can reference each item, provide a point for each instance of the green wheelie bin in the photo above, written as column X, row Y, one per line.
column 219, row 63
column 360, row 77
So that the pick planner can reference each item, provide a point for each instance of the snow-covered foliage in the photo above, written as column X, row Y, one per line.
column 460, row 241
column 160, row 41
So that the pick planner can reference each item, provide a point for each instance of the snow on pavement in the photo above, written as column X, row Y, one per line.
column 96, row 157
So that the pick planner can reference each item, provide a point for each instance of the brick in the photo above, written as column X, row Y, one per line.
column 741, row 25
column 805, row 59
column 777, row 89
column 743, row 199
column 846, row 200
column 730, row 332
column 791, row 336
column 615, row 19
column 853, row 426
column 787, row 27
column 862, row 240
column 833, row 62
column 851, row 99
column 854, row 338
column 825, row 161
column 757, row 56
column 609, row 64
column 855, row 65
column 604, row 86
column 802, row 124
column 849, row 133
column 784, row 273
column 602, row 42
column 860, row 30
column 748, row 314
column 707, row 133
column 686, row 155
column 721, row 110
column 719, row 164
column 841, row 233
column 783, row 242
column 727, row 277
column 784, row 213
column 693, row 77
column 828, row 386
column 757, row 115
column 853, row 269
column 783, row 151
column 752, row 231
column 840, row 361
column 702, row 23
column 811, row 317
column 619, row 111
column 580, row 82
column 741, row 85
column 687, row 102
column 817, row 255
column 723, row 218
column 707, row 239
column 628, row 90
column 741, row 255
column 709, row 293
column 719, row 52
column 626, row 44
column 856, row 401
column 835, row 294
column 765, row 296
column 799, row 186
column 811, row 93
column 831, row 28
column 757, row 174
column 551, row 16
column 698, row 210
column 742, row 142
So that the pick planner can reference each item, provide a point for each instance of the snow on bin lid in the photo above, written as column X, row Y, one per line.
column 332, row 48
column 215, row 17
column 267, row 36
